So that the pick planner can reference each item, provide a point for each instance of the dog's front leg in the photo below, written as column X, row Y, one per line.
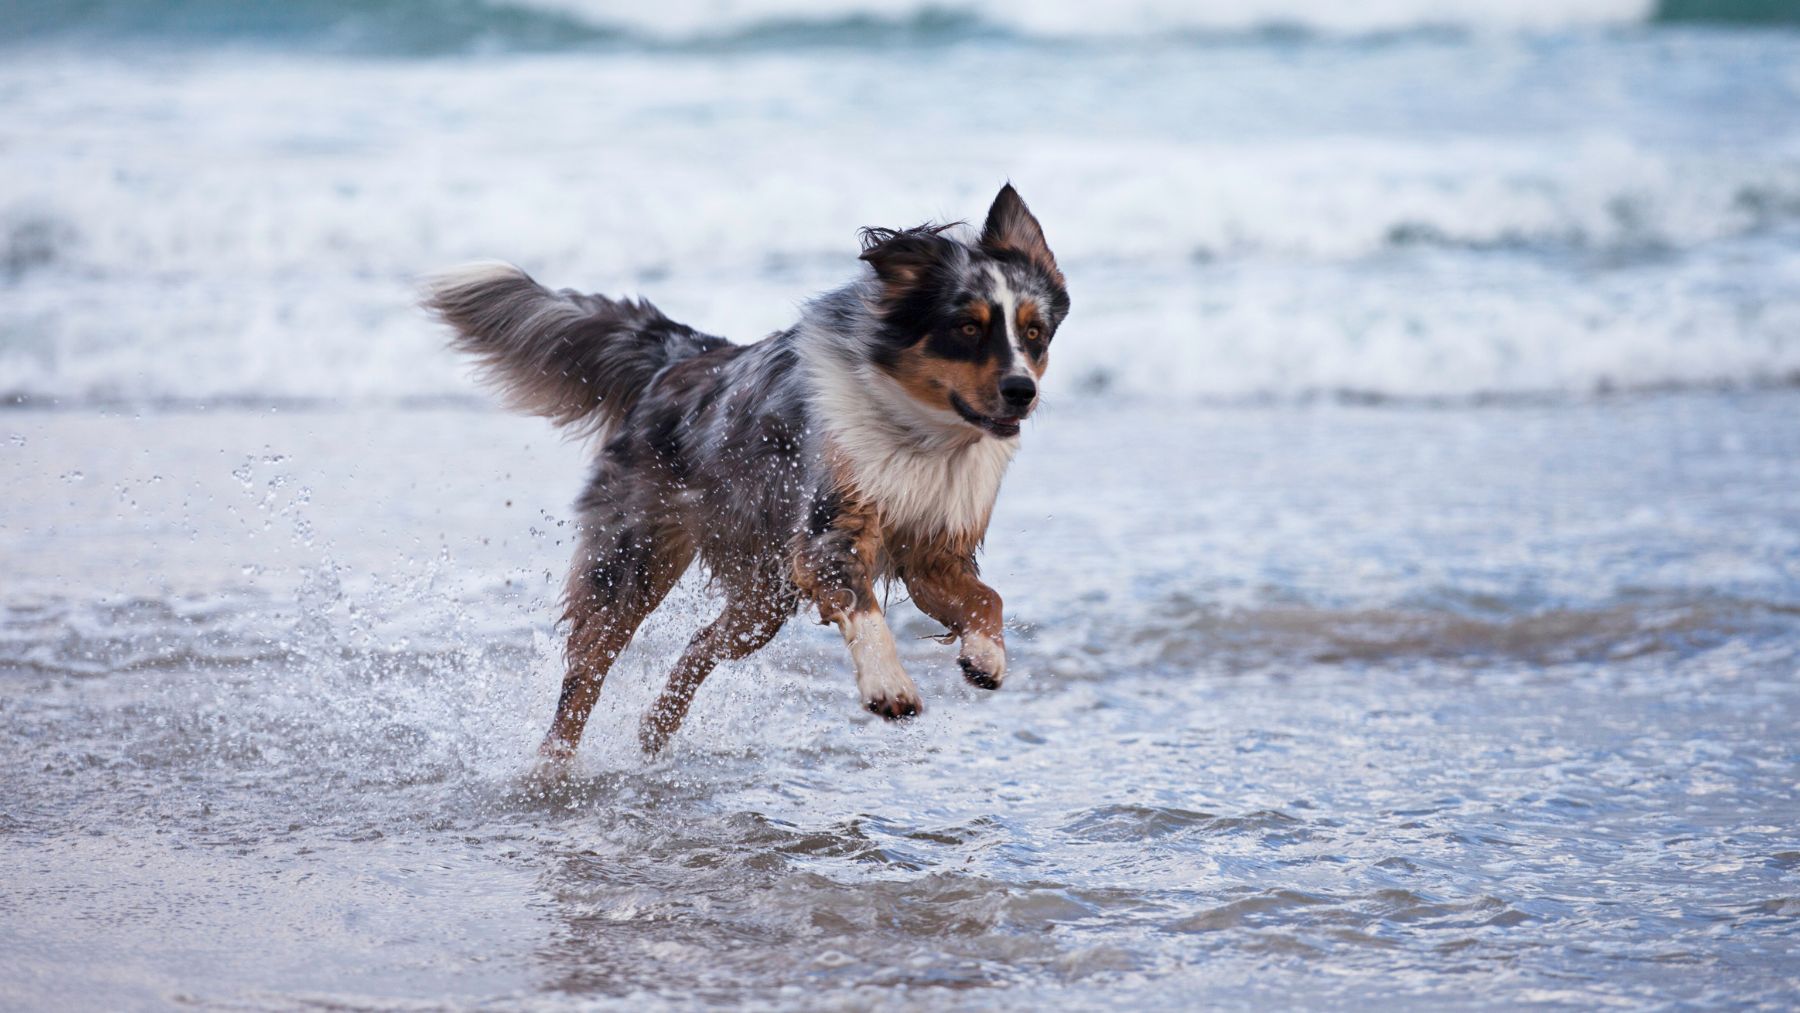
column 945, row 587
column 885, row 687
column 834, row 566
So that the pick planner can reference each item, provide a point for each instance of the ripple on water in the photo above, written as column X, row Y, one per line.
column 1141, row 822
column 1582, row 797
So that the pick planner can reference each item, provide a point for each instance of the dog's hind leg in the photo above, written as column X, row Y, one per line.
column 622, row 573
column 750, row 620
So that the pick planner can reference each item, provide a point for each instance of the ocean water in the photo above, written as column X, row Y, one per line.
column 207, row 204
column 1403, row 573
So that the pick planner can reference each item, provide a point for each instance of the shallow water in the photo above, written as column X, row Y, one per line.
column 1317, row 705
column 1362, row 653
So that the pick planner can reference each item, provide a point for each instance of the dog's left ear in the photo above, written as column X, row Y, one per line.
column 1011, row 226
column 901, row 257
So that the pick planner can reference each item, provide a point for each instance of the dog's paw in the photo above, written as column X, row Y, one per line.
column 652, row 735
column 885, row 687
column 983, row 662
column 895, row 706
column 555, row 764
column 661, row 722
column 888, row 691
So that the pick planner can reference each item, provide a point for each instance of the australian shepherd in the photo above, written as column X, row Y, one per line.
column 863, row 444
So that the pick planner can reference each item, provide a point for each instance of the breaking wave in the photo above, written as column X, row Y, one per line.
column 436, row 27
column 1258, row 275
column 1252, row 221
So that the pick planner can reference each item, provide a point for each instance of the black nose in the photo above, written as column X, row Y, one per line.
column 1018, row 391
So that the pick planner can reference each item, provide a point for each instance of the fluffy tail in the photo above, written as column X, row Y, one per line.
column 579, row 360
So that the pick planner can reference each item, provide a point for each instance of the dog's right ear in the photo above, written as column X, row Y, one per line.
column 901, row 257
column 1011, row 226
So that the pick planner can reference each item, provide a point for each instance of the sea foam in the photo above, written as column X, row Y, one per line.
column 1243, row 221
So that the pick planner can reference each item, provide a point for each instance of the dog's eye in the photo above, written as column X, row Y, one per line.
column 1033, row 334
column 970, row 330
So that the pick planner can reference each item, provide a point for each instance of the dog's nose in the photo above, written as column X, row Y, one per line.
column 1018, row 391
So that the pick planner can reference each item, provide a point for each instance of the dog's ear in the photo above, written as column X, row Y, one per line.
column 901, row 257
column 1011, row 226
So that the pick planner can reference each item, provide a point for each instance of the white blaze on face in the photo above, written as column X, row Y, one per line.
column 1008, row 301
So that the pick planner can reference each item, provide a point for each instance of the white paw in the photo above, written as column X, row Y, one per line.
column 893, row 698
column 885, row 687
column 983, row 661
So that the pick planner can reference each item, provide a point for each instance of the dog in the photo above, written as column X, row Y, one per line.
column 864, row 444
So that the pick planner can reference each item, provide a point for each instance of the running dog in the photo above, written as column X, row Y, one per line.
column 865, row 443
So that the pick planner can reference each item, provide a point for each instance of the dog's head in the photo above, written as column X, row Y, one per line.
column 966, row 327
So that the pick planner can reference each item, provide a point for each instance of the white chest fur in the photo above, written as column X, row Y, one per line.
column 926, row 470
column 949, row 491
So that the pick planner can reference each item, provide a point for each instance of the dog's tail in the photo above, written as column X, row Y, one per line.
column 581, row 361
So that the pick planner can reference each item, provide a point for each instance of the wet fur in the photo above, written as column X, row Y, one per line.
column 864, row 444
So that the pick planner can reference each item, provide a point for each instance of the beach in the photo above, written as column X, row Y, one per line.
column 1402, row 572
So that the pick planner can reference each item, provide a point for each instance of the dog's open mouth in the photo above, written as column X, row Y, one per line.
column 1003, row 426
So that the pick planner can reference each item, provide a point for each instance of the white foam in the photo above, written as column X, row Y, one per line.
column 690, row 18
column 229, row 228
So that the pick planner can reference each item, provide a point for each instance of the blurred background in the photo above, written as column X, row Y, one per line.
column 217, row 201
column 1403, row 574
